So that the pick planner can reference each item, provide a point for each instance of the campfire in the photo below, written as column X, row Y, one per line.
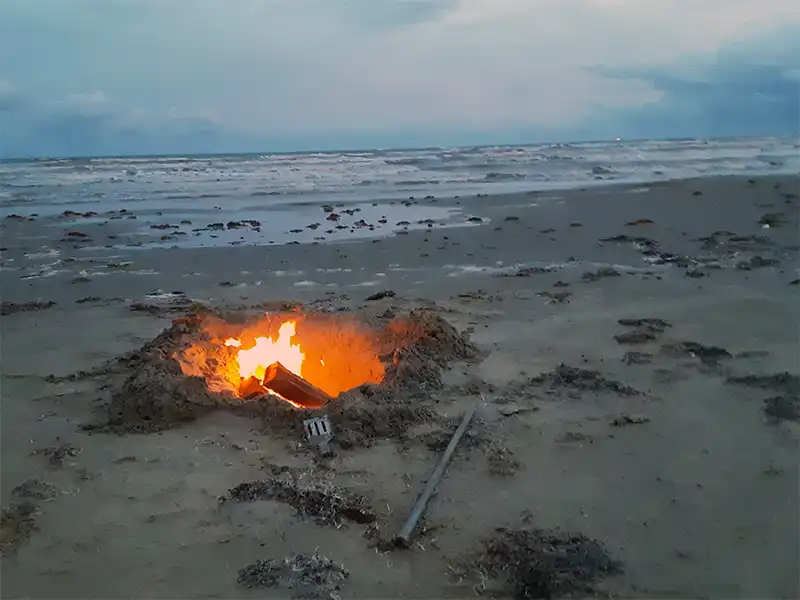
column 304, row 361
column 355, row 364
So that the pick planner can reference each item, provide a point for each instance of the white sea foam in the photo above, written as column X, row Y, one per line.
column 44, row 271
column 462, row 270
column 162, row 295
column 45, row 252
column 241, row 181
column 372, row 283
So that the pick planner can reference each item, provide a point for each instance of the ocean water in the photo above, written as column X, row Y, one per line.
column 277, row 181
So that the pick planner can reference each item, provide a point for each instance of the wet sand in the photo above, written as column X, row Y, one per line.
column 696, row 492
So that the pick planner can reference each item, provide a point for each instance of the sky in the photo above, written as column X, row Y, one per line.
column 115, row 77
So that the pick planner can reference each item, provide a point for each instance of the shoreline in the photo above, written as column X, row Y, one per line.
column 542, row 231
column 691, row 484
column 400, row 197
column 365, row 220
column 363, row 150
column 289, row 182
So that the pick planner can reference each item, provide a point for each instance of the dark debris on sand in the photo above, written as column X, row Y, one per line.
column 600, row 274
column 530, row 271
column 18, row 522
column 625, row 419
column 35, row 489
column 309, row 576
column 179, row 304
column 536, row 563
column 721, row 249
column 730, row 243
column 650, row 250
column 9, row 308
column 656, row 324
column 644, row 330
column 56, row 455
column 326, row 503
column 782, row 408
column 566, row 377
column 709, row 355
column 785, row 382
column 380, row 296
column 785, row 406
column 501, row 461
column 757, row 262
column 637, row 358
column 557, row 297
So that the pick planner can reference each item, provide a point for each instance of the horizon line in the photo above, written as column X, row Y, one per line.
column 45, row 157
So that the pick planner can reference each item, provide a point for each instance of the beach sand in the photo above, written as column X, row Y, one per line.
column 691, row 484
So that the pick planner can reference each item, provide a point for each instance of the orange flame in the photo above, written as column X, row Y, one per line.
column 253, row 362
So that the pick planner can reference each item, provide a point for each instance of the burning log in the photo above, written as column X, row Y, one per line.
column 297, row 390
column 251, row 387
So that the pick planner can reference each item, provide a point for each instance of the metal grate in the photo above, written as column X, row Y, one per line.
column 319, row 432
column 317, row 427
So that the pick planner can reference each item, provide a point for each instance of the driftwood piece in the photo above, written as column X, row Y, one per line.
column 297, row 390
column 403, row 538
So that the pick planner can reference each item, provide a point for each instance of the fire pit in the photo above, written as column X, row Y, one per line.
column 306, row 360
column 302, row 360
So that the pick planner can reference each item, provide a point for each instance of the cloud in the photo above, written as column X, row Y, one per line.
column 750, row 87
column 371, row 16
column 9, row 97
column 93, row 123
column 267, row 73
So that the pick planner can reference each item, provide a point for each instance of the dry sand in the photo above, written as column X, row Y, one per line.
column 678, row 454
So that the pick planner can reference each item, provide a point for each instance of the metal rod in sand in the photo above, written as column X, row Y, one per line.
column 403, row 537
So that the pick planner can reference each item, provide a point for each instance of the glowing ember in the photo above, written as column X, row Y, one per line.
column 253, row 362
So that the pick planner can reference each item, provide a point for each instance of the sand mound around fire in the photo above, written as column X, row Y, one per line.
column 195, row 367
column 148, row 391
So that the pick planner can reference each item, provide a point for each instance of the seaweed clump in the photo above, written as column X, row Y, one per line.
column 576, row 378
column 536, row 563
column 326, row 503
column 17, row 523
column 308, row 576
